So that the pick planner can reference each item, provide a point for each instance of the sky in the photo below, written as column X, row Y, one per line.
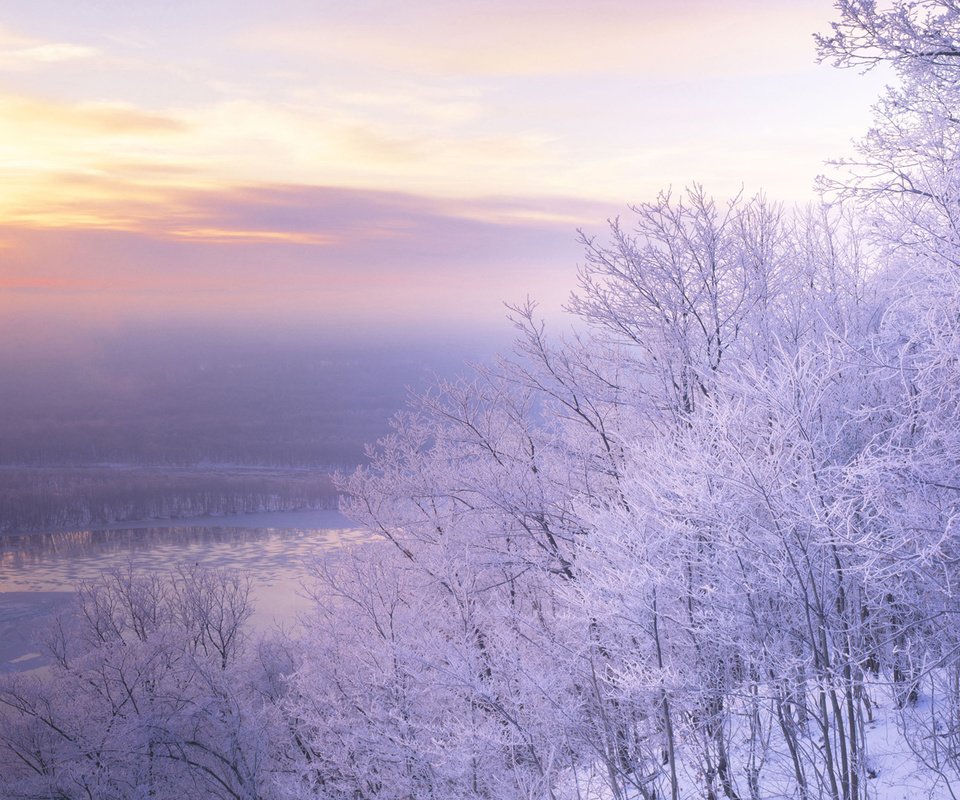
column 376, row 166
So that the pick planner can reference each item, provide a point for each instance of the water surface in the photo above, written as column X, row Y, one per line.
column 38, row 572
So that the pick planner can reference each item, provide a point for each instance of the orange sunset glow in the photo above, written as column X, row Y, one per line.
column 158, row 158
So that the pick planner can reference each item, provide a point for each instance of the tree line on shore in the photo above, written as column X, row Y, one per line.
column 49, row 499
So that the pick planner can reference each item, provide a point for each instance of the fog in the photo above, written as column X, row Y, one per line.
column 145, row 421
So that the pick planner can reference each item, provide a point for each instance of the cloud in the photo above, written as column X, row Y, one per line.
column 100, row 118
column 347, row 256
column 611, row 101
column 245, row 237
column 539, row 38
column 23, row 53
column 95, row 145
column 358, row 223
column 52, row 53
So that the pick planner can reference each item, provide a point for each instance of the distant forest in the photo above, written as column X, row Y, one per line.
column 39, row 499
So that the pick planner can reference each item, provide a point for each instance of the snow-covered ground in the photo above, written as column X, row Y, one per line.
column 901, row 763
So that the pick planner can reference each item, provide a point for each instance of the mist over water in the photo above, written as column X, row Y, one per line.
column 195, row 396
column 102, row 424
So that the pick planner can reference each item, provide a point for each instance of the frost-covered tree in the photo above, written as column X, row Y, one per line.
column 908, row 167
column 150, row 694
column 702, row 537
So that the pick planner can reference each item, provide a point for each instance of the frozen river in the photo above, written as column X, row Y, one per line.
column 39, row 571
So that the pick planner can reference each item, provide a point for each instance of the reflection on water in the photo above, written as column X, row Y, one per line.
column 39, row 571
column 57, row 561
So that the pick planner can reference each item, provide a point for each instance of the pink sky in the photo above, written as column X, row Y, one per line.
column 371, row 160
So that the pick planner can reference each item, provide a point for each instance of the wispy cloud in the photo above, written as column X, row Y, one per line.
column 308, row 253
column 45, row 54
column 531, row 39
column 107, row 119
column 19, row 52
column 245, row 237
